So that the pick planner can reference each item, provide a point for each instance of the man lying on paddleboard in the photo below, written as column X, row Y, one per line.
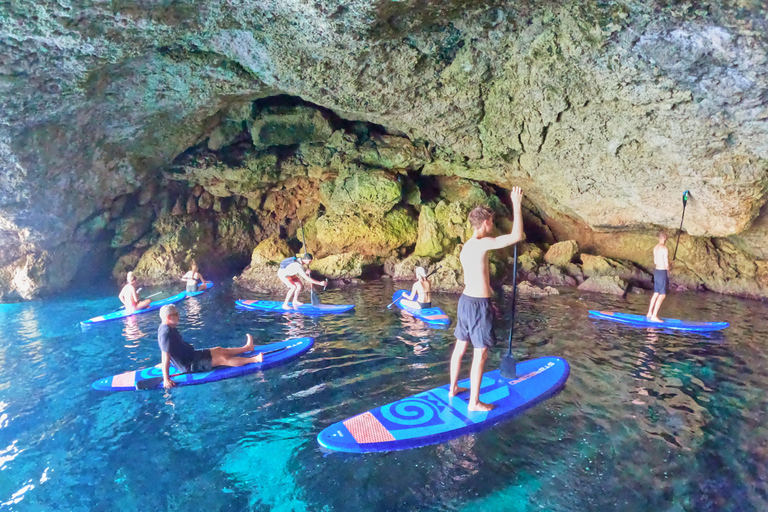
column 129, row 296
column 188, row 360
column 421, row 290
column 475, row 312
column 290, row 271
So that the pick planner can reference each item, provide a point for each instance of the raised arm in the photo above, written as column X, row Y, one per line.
column 517, row 225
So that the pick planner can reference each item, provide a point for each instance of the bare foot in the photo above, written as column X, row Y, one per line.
column 286, row 305
column 480, row 407
column 455, row 391
column 297, row 303
column 249, row 342
column 259, row 358
column 656, row 319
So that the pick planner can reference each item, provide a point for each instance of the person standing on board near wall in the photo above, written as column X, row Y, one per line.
column 660, row 277
column 290, row 271
column 475, row 312
column 192, row 277
column 129, row 296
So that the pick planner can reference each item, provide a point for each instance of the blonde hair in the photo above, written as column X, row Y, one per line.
column 129, row 277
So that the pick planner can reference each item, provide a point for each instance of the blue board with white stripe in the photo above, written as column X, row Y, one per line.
column 433, row 417
column 434, row 317
column 305, row 309
column 282, row 352
column 154, row 305
column 668, row 323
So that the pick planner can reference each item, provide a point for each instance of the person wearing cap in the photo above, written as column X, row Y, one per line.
column 188, row 360
column 422, row 290
column 192, row 277
column 291, row 272
column 129, row 296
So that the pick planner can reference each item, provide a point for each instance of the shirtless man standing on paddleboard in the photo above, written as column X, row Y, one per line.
column 475, row 313
column 660, row 278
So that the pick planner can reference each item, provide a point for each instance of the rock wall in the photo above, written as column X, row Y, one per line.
column 605, row 112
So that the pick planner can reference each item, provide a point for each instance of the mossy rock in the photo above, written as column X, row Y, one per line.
column 348, row 265
column 405, row 269
column 360, row 190
column 393, row 152
column 289, row 125
column 131, row 228
column 367, row 234
column 270, row 251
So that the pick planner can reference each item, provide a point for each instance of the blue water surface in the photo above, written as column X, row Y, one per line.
column 649, row 420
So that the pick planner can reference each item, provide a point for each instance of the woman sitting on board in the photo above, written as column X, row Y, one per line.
column 192, row 277
column 129, row 296
column 290, row 272
column 422, row 288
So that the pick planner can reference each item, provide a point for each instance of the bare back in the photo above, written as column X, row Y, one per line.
column 474, row 261
column 128, row 296
column 661, row 257
column 424, row 290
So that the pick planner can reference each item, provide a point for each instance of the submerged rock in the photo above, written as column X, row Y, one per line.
column 604, row 284
column 526, row 289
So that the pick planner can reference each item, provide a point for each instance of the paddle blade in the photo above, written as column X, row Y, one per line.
column 314, row 298
column 508, row 368
column 150, row 383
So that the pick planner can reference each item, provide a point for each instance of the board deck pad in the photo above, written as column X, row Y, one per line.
column 304, row 309
column 432, row 417
column 127, row 381
column 434, row 317
column 152, row 306
column 668, row 323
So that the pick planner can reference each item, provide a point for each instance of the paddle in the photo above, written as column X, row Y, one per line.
column 685, row 201
column 428, row 275
column 147, row 297
column 152, row 382
column 314, row 299
column 508, row 368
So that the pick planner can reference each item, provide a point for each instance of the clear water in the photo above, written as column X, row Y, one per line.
column 648, row 420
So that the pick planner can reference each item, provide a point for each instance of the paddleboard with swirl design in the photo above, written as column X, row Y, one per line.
column 433, row 417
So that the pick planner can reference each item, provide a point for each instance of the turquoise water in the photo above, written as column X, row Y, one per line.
column 648, row 420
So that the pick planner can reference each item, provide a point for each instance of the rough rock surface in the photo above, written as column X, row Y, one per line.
column 602, row 111
column 526, row 289
column 604, row 284
column 601, row 266
column 347, row 265
column 561, row 253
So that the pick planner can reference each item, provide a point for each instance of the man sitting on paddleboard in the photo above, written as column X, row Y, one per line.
column 660, row 277
column 475, row 313
column 129, row 296
column 291, row 269
column 188, row 360
column 192, row 277
column 422, row 289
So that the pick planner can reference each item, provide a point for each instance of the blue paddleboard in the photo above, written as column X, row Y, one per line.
column 432, row 316
column 305, row 309
column 152, row 306
column 668, row 323
column 285, row 351
column 432, row 417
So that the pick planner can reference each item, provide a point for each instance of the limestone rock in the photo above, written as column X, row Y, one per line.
column 552, row 275
column 359, row 190
column 285, row 126
column 561, row 253
column 343, row 266
column 367, row 235
column 248, row 176
column 405, row 269
column 271, row 250
column 450, row 276
column 130, row 229
column 604, row 284
column 206, row 201
column 628, row 271
column 529, row 257
column 526, row 289
column 393, row 153
column 126, row 263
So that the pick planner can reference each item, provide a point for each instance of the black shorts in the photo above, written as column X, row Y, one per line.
column 660, row 282
column 474, row 322
column 201, row 362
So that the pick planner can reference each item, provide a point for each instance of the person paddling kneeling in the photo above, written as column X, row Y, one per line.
column 291, row 272
column 188, row 360
column 421, row 290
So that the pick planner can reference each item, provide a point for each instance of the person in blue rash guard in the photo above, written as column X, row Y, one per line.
column 290, row 271
column 188, row 360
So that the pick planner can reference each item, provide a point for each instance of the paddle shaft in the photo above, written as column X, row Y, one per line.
column 428, row 275
column 508, row 368
column 679, row 231
column 154, row 381
column 313, row 298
